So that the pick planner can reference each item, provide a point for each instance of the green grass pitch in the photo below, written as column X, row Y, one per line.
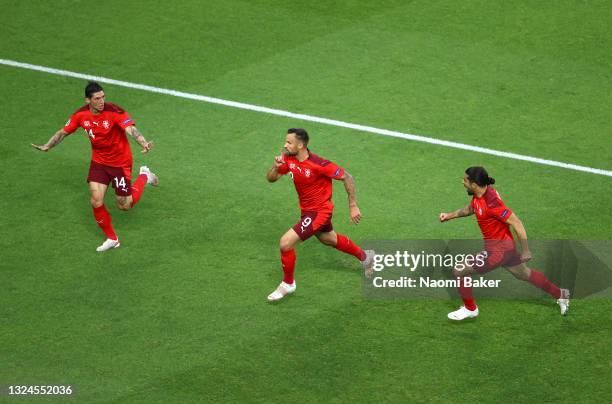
column 178, row 313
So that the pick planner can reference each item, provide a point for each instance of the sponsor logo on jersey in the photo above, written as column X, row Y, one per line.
column 96, row 123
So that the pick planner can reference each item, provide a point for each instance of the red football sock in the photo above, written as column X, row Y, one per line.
column 345, row 245
column 104, row 221
column 288, row 263
column 466, row 294
column 540, row 280
column 138, row 188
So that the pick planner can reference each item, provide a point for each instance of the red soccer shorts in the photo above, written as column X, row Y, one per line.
column 501, row 258
column 119, row 177
column 313, row 222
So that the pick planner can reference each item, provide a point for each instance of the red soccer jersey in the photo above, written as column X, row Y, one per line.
column 492, row 214
column 313, row 181
column 106, row 132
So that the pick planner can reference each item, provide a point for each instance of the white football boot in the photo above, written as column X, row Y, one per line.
column 462, row 314
column 108, row 244
column 281, row 291
column 368, row 263
column 151, row 178
column 564, row 301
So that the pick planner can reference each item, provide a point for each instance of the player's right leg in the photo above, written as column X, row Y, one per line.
column 97, row 191
column 538, row 279
column 287, row 251
column 342, row 243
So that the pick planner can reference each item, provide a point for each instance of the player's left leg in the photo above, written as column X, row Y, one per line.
column 340, row 242
column 127, row 194
column 287, row 245
column 144, row 177
column 469, row 308
column 538, row 279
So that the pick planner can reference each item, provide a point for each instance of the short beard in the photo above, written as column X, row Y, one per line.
column 288, row 153
column 470, row 192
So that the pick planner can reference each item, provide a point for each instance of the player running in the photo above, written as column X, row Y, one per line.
column 495, row 219
column 105, row 125
column 312, row 177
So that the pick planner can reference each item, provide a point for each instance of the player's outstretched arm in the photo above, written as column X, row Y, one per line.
column 139, row 138
column 521, row 233
column 349, row 185
column 468, row 210
column 273, row 173
column 55, row 139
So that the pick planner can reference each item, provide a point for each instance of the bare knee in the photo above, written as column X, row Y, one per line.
column 123, row 207
column 124, row 203
column 522, row 274
column 328, row 241
column 96, row 202
column 285, row 244
column 459, row 272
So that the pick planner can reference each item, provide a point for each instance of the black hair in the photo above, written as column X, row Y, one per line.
column 480, row 176
column 92, row 87
column 301, row 134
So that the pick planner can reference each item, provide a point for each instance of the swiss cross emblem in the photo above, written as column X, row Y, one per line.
column 105, row 124
column 87, row 124
column 307, row 172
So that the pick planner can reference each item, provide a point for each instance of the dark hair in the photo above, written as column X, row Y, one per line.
column 480, row 176
column 301, row 134
column 92, row 87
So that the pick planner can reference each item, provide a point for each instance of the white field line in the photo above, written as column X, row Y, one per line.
column 308, row 118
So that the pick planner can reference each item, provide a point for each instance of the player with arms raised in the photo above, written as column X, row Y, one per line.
column 312, row 177
column 106, row 125
column 495, row 220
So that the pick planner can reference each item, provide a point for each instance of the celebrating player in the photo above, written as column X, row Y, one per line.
column 105, row 125
column 312, row 177
column 495, row 219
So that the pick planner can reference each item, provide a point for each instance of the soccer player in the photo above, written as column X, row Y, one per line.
column 106, row 125
column 312, row 177
column 495, row 220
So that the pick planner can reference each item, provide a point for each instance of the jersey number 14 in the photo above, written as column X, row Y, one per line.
column 119, row 183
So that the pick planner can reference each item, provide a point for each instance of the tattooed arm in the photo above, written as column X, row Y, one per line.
column 55, row 139
column 467, row 211
column 139, row 138
column 349, row 185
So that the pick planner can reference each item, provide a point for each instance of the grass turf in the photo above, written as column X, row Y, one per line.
column 178, row 313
